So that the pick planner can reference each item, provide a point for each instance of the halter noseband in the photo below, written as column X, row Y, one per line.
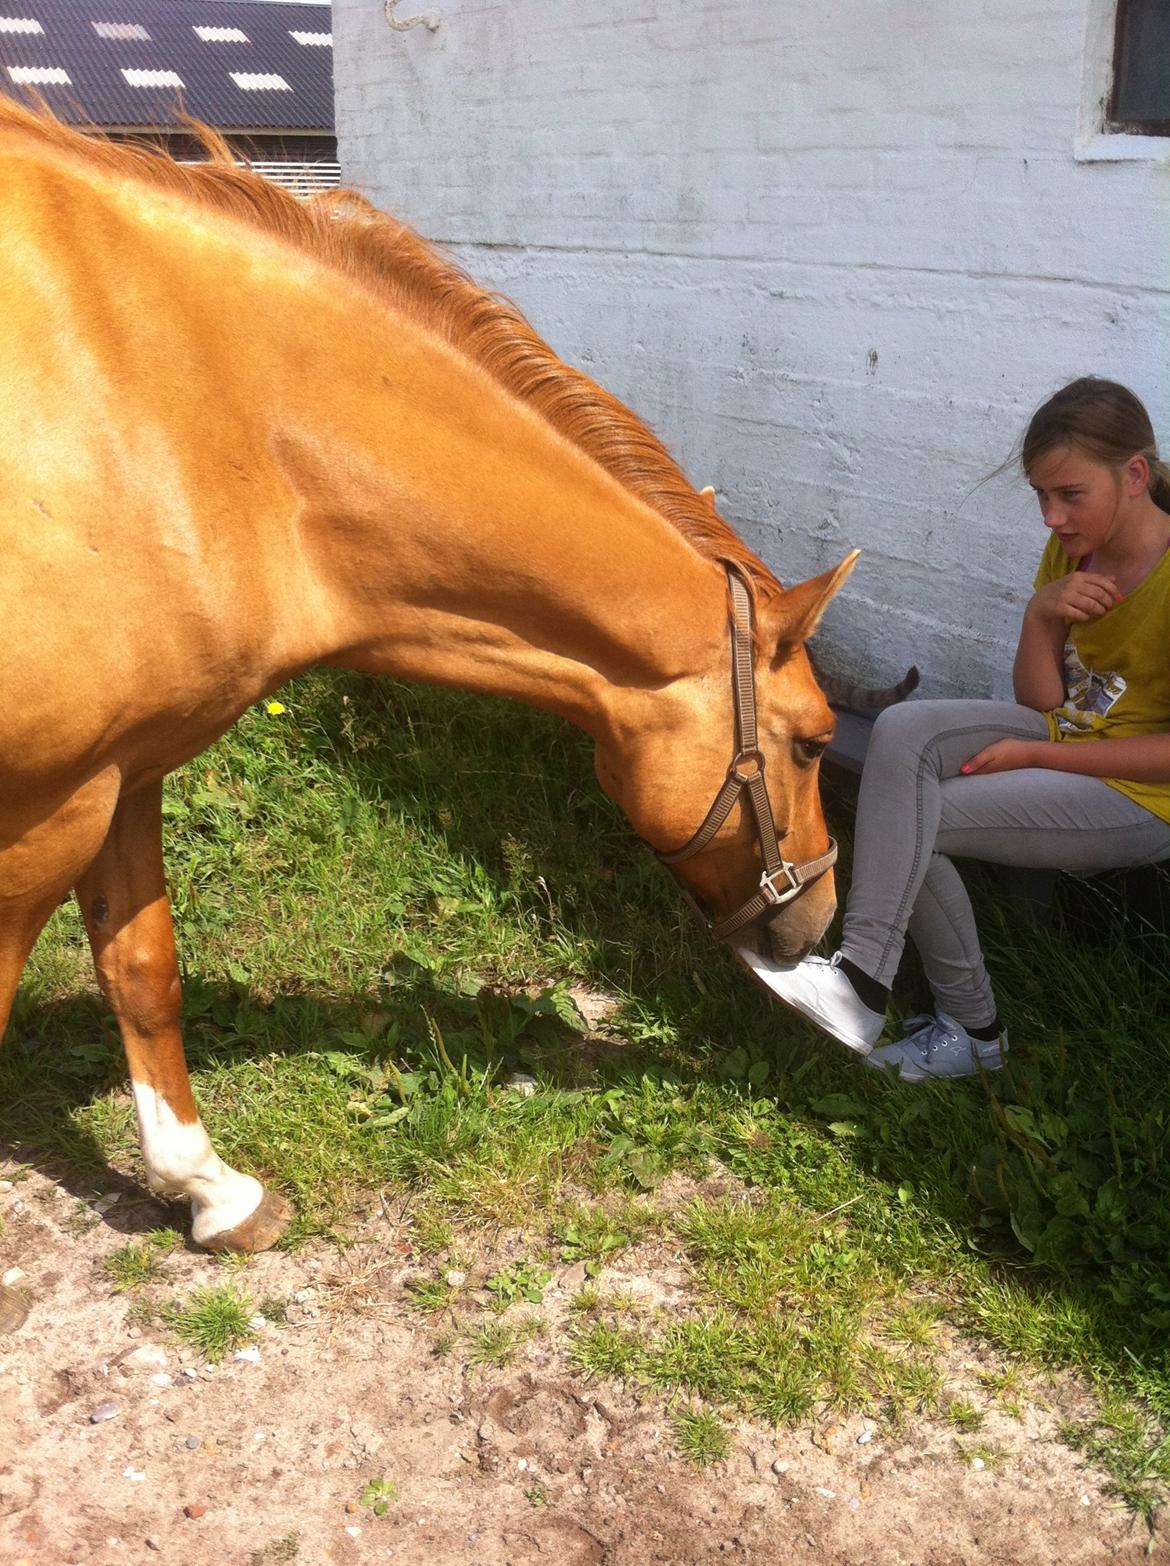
column 781, row 881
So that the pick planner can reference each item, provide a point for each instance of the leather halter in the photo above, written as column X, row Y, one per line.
column 781, row 881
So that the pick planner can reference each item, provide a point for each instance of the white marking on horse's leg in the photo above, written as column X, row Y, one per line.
column 180, row 1161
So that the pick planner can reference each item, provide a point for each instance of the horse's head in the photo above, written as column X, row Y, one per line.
column 687, row 777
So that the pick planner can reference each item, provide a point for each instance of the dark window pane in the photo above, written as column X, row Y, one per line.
column 1141, row 90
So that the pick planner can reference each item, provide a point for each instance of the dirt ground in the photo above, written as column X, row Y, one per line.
column 265, row 1458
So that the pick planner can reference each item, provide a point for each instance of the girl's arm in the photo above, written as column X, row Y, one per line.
column 1144, row 758
column 1038, row 672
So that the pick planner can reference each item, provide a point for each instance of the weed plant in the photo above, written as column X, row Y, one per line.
column 521, row 1280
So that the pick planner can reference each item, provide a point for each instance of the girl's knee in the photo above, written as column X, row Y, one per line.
column 907, row 726
column 914, row 724
column 911, row 734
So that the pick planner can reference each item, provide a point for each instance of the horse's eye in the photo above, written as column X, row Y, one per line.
column 809, row 750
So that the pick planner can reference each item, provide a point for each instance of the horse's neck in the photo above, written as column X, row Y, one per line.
column 456, row 538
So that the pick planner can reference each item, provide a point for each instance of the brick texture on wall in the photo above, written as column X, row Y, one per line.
column 834, row 255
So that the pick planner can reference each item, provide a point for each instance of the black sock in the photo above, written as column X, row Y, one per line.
column 872, row 994
column 987, row 1035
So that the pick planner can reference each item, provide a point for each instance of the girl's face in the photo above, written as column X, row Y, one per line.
column 1083, row 501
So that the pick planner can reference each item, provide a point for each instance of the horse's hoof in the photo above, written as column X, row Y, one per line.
column 257, row 1232
column 13, row 1309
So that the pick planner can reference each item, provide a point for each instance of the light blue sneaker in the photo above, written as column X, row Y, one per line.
column 938, row 1047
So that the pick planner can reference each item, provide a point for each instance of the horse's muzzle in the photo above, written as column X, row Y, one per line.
column 793, row 932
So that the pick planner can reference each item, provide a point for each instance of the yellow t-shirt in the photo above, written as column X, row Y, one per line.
column 1117, row 670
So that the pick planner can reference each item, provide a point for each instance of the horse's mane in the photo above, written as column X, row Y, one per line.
column 348, row 234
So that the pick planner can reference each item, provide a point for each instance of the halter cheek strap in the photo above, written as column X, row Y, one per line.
column 782, row 880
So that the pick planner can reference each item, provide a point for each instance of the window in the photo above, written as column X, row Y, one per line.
column 259, row 81
column 1140, row 101
column 221, row 34
column 140, row 78
column 40, row 75
column 120, row 31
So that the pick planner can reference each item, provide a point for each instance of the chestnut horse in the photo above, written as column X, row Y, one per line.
column 241, row 435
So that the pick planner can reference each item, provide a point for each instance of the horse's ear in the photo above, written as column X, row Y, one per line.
column 800, row 608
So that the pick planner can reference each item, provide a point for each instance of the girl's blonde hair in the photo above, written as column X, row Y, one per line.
column 1103, row 420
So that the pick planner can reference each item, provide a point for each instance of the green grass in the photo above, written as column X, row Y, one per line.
column 1132, row 1442
column 430, row 1231
column 214, row 1320
column 979, row 1453
column 430, row 1295
column 914, row 1323
column 604, row 1349
column 963, row 1415
column 701, row 1437
column 586, row 1300
column 764, row 1365
column 140, row 1262
column 283, row 1549
column 497, row 1344
column 381, row 895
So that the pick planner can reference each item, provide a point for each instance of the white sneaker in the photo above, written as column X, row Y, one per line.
column 818, row 989
column 938, row 1047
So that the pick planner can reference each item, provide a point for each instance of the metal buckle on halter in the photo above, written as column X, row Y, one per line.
column 756, row 757
column 771, row 891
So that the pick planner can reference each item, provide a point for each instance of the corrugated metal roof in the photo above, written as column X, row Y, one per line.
column 243, row 64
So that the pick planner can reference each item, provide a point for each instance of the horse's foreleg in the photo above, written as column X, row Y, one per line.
column 124, row 903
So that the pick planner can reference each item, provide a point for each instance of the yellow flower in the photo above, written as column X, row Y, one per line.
column 274, row 708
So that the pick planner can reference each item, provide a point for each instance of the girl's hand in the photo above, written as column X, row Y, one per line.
column 1081, row 595
column 1006, row 755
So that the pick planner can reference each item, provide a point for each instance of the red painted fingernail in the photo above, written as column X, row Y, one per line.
column 965, row 767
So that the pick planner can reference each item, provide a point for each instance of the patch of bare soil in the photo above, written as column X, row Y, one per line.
column 259, row 1462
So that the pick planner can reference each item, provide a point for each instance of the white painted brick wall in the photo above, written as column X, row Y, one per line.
column 834, row 255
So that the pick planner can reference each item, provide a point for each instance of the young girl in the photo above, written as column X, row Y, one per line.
column 1074, row 775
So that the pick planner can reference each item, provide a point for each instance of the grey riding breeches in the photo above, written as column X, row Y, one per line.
column 916, row 809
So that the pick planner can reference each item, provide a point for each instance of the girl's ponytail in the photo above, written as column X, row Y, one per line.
column 1160, row 483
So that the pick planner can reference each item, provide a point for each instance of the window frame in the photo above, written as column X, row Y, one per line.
column 1097, row 138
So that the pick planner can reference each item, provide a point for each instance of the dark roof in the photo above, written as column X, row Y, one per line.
column 61, row 35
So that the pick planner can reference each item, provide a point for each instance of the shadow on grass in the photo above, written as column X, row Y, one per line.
column 66, row 1112
column 1057, row 1168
